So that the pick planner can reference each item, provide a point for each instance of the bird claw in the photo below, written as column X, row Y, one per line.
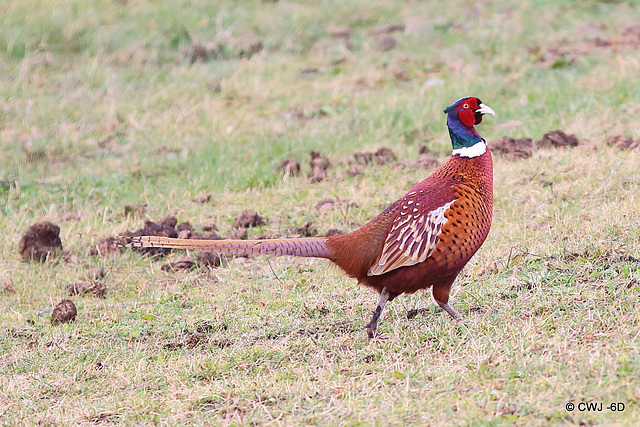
column 375, row 335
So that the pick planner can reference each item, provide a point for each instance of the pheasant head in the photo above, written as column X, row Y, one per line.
column 462, row 116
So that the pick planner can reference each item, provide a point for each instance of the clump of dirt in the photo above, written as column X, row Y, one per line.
column 165, row 228
column 185, row 230
column 415, row 312
column 209, row 227
column 64, row 312
column 512, row 148
column 382, row 156
column 40, row 242
column 305, row 230
column 208, row 259
column 622, row 142
column 224, row 46
column 557, row 139
column 248, row 219
column 334, row 232
column 363, row 157
column 289, row 166
column 523, row 148
column 7, row 288
column 203, row 198
column 183, row 264
column 108, row 245
column 96, row 288
column 319, row 167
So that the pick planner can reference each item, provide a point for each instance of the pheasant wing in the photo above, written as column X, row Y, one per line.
column 412, row 237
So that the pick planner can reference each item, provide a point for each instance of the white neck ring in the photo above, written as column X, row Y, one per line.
column 477, row 149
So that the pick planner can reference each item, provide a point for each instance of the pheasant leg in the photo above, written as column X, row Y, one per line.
column 373, row 323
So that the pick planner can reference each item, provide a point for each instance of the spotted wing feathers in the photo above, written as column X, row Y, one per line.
column 412, row 237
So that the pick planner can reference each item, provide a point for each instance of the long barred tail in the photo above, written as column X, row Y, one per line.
column 302, row 247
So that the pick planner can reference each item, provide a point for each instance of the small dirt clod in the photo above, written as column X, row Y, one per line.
column 289, row 167
column 184, row 264
column 622, row 142
column 248, row 219
column 319, row 167
column 64, row 312
column 208, row 259
column 512, row 148
column 557, row 139
column 40, row 241
column 96, row 288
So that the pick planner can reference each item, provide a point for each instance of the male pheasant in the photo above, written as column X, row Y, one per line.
column 422, row 240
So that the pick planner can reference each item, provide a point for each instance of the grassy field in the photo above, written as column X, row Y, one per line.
column 109, row 103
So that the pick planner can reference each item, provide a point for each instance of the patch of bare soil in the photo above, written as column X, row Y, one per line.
column 289, row 167
column 248, row 219
column 334, row 232
column 96, row 288
column 512, row 148
column 622, row 142
column 382, row 156
column 64, row 312
column 305, row 230
column 523, row 148
column 40, row 242
column 557, row 139
column 319, row 167
column 108, row 245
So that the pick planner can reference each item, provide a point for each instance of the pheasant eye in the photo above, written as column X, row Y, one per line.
column 465, row 106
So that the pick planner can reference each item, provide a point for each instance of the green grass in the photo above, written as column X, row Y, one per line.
column 100, row 106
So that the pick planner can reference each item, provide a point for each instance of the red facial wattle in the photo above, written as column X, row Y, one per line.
column 467, row 117
column 467, row 112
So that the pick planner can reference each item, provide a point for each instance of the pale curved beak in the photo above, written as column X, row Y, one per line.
column 485, row 109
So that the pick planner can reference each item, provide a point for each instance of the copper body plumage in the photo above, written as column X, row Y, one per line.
column 421, row 241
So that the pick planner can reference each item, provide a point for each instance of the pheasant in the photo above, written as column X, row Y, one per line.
column 422, row 240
